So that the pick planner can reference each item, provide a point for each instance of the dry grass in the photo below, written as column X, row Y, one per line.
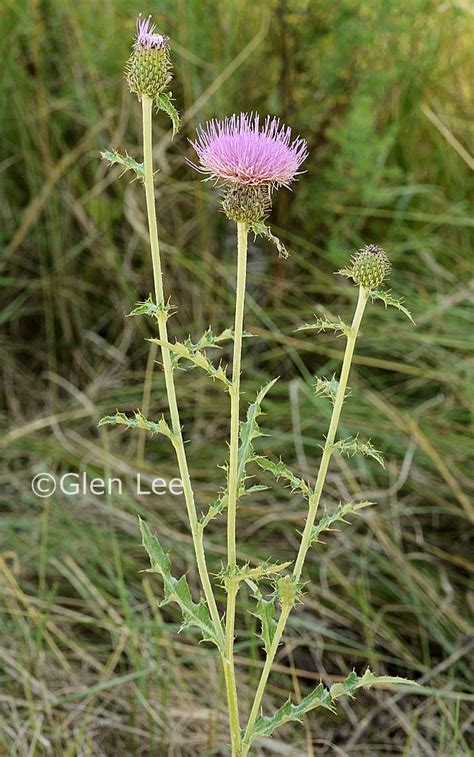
column 90, row 664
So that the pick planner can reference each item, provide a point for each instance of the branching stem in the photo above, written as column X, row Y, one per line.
column 312, row 510
column 147, row 106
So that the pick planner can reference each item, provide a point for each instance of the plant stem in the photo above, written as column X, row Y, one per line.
column 312, row 510
column 229, row 669
column 242, row 234
column 196, row 532
column 233, row 483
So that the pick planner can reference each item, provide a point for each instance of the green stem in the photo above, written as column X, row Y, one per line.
column 233, row 483
column 147, row 105
column 312, row 510
column 242, row 234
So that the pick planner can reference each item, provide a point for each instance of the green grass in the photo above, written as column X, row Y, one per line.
column 89, row 663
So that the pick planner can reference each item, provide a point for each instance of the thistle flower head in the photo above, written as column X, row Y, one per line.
column 146, row 38
column 148, row 68
column 369, row 266
column 242, row 150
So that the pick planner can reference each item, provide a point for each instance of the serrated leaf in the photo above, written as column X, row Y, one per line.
column 197, row 358
column 387, row 299
column 151, row 308
column 113, row 157
column 352, row 445
column 253, row 490
column 266, row 569
column 323, row 324
column 338, row 516
column 164, row 102
column 280, row 470
column 260, row 229
column 177, row 590
column 265, row 611
column 214, row 510
column 249, row 431
column 328, row 388
column 138, row 421
column 321, row 697
column 369, row 679
column 208, row 339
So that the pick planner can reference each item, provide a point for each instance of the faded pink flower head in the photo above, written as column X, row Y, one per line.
column 242, row 151
column 146, row 38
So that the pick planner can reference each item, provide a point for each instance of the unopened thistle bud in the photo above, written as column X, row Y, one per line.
column 246, row 203
column 148, row 68
column 369, row 266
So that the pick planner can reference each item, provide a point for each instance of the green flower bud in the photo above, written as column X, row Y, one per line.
column 246, row 203
column 370, row 266
column 148, row 68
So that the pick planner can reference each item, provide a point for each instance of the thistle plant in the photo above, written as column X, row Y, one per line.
column 248, row 158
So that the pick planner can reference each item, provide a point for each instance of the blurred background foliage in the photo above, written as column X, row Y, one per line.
column 381, row 91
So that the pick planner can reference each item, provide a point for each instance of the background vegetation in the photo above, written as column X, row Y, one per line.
column 380, row 89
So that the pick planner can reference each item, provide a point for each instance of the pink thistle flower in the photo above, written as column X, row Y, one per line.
column 146, row 38
column 241, row 151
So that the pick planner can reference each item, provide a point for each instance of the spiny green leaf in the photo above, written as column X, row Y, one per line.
column 369, row 679
column 152, row 308
column 252, row 490
column 323, row 324
column 387, row 299
column 138, row 421
column 198, row 358
column 280, row 470
column 328, row 388
column 339, row 515
column 319, row 697
column 352, row 445
column 124, row 160
column 164, row 102
column 257, row 573
column 177, row 590
column 322, row 697
column 261, row 229
column 265, row 611
column 249, row 431
column 214, row 510
column 209, row 339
